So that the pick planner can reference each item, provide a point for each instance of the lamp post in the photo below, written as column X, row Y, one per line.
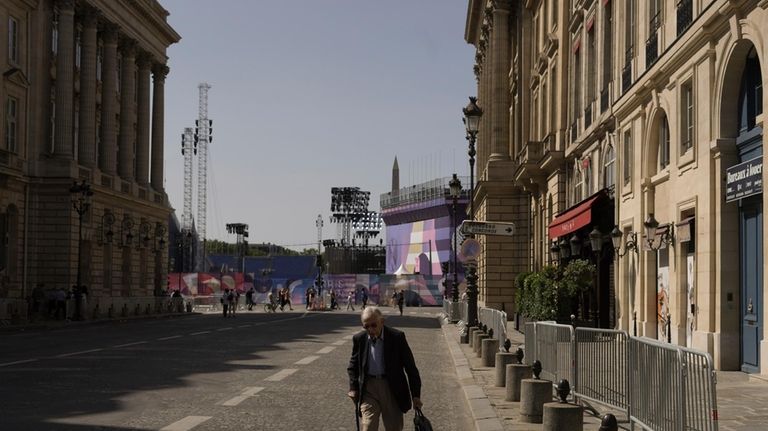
column 596, row 242
column 455, row 190
column 472, row 114
column 81, row 201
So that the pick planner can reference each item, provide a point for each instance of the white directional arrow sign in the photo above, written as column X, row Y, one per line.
column 487, row 228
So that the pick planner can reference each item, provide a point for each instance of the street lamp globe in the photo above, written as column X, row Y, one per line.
column 616, row 238
column 596, row 240
column 455, row 187
column 565, row 249
column 472, row 114
column 650, row 228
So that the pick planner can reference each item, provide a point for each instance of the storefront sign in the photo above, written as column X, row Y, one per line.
column 744, row 179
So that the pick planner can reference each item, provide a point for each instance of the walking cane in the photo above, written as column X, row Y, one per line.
column 357, row 417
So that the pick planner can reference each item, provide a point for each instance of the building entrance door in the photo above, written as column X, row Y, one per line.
column 751, row 221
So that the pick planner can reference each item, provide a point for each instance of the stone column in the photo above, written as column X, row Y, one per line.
column 127, row 115
column 86, row 149
column 108, row 147
column 65, row 80
column 500, row 81
column 159, row 72
column 142, row 122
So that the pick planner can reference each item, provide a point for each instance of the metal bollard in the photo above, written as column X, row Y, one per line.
column 609, row 423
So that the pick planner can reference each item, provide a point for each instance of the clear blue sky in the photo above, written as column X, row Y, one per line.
column 311, row 94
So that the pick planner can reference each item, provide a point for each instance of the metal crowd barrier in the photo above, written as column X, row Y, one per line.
column 672, row 388
column 556, row 349
column 601, row 366
column 496, row 320
column 447, row 307
column 463, row 311
column 662, row 387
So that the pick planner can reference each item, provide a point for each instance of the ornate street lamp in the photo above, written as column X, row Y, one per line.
column 575, row 244
column 472, row 115
column 651, row 229
column 596, row 240
column 554, row 251
column 565, row 249
column 455, row 190
column 81, row 201
column 629, row 245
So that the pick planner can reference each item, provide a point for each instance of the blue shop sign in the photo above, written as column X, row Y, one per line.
column 744, row 179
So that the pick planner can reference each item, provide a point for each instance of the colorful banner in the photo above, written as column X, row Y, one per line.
column 420, row 290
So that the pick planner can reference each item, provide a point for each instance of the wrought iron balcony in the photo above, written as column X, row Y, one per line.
column 626, row 77
column 605, row 99
column 651, row 50
column 684, row 15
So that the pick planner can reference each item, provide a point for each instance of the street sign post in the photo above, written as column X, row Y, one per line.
column 487, row 228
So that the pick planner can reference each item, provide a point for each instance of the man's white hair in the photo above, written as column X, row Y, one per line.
column 371, row 311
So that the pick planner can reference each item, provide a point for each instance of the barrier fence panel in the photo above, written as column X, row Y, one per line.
column 464, row 307
column 556, row 349
column 447, row 307
column 601, row 358
column 496, row 320
column 671, row 388
column 530, row 343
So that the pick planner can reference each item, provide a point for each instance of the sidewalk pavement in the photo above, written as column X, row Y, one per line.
column 742, row 399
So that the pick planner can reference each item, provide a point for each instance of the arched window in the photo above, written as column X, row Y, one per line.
column 578, row 185
column 609, row 175
column 663, row 136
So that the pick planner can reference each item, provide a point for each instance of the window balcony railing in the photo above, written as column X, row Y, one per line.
column 605, row 99
column 684, row 15
column 652, row 50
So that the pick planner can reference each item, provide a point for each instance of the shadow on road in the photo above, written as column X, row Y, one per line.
column 102, row 386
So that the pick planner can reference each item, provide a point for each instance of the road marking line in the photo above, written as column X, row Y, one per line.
column 328, row 349
column 79, row 353
column 247, row 393
column 338, row 343
column 348, row 337
column 17, row 362
column 244, row 326
column 306, row 361
column 186, row 424
column 200, row 333
column 129, row 344
column 280, row 375
column 169, row 338
column 224, row 329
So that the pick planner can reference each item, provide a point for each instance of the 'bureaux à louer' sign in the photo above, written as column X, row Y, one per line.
column 744, row 179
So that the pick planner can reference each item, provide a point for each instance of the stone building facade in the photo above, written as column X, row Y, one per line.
column 83, row 100
column 619, row 113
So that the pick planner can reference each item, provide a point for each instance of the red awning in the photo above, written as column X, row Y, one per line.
column 573, row 219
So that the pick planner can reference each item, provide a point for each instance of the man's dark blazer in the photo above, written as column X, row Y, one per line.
column 398, row 362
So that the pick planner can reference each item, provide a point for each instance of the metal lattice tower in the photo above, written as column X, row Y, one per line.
column 203, row 131
column 319, row 225
column 187, row 141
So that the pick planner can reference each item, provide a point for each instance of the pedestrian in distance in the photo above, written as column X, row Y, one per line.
column 249, row 299
column 232, row 299
column 288, row 297
column 225, row 301
column 334, row 305
column 349, row 302
column 380, row 362
column 400, row 300
column 365, row 298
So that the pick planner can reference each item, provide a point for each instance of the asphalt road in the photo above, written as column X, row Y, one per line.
column 258, row 371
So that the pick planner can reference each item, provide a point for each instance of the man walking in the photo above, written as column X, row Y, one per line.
column 381, row 360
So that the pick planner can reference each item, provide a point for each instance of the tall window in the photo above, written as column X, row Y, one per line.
column 13, row 40
column 78, row 47
column 630, row 35
column 55, row 32
column 626, row 165
column 11, row 124
column 578, row 185
column 609, row 159
column 591, row 65
column 663, row 155
column 607, row 45
column 686, row 120
column 576, row 83
column 554, row 13
column 99, row 61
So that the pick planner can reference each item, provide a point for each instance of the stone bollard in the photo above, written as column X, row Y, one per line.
column 488, row 350
column 471, row 334
column 562, row 416
column 479, row 343
column 473, row 341
column 466, row 336
column 502, row 360
column 516, row 373
column 534, row 393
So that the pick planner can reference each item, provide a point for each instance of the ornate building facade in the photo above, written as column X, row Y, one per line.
column 639, row 121
column 83, row 100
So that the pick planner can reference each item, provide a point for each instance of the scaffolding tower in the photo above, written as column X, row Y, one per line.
column 187, row 150
column 203, row 136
